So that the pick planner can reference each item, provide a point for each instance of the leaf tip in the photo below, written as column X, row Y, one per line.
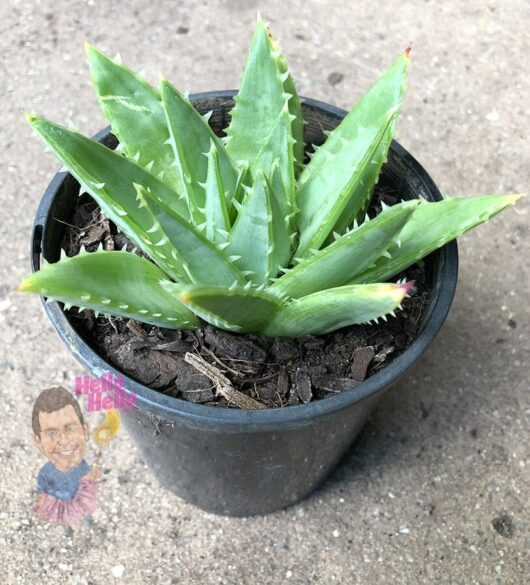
column 405, row 289
column 30, row 118
column 511, row 199
column 23, row 286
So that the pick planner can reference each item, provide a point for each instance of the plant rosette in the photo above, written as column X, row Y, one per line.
column 245, row 233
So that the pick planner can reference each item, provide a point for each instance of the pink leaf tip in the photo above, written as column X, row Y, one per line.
column 408, row 288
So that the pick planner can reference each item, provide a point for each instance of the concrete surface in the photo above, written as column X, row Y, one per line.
column 446, row 457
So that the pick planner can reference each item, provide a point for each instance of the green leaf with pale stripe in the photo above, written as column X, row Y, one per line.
column 324, row 196
column 111, row 179
column 385, row 95
column 325, row 311
column 295, row 107
column 259, row 101
column 244, row 179
column 200, row 259
column 432, row 225
column 239, row 309
column 215, row 207
column 114, row 283
column 277, row 151
column 190, row 138
column 250, row 243
column 195, row 257
column 349, row 255
column 281, row 222
column 93, row 164
column 134, row 109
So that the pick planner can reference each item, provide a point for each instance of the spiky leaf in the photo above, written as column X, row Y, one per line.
column 93, row 165
column 251, row 239
column 349, row 255
column 198, row 257
column 385, row 95
column 259, row 101
column 134, row 109
column 244, row 179
column 324, row 196
column 115, row 283
column 325, row 311
column 215, row 206
column 190, row 138
column 238, row 309
column 277, row 152
column 111, row 179
column 295, row 109
column 282, row 229
column 120, row 202
column 202, row 260
column 431, row 226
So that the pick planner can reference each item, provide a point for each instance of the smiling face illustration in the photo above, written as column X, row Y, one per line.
column 62, row 438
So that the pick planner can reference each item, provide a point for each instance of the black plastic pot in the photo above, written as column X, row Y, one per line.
column 239, row 462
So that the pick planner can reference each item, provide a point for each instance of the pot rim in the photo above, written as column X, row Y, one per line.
column 149, row 399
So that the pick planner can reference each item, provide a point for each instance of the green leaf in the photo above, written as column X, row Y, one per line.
column 431, row 226
column 325, row 311
column 199, row 258
column 277, row 151
column 190, row 138
column 250, row 242
column 174, row 244
column 239, row 309
column 259, row 102
column 349, row 255
column 295, row 108
column 384, row 96
column 215, row 207
column 134, row 109
column 112, row 181
column 324, row 195
column 244, row 180
column 113, row 283
column 282, row 214
column 93, row 165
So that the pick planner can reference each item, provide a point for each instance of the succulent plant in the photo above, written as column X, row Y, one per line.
column 241, row 231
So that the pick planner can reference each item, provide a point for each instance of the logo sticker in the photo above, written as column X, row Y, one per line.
column 67, row 485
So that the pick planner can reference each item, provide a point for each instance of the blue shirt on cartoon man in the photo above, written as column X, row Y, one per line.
column 62, row 485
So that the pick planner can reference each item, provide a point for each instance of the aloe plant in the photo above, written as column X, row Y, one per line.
column 239, row 231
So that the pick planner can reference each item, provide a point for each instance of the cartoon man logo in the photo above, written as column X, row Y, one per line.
column 66, row 485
